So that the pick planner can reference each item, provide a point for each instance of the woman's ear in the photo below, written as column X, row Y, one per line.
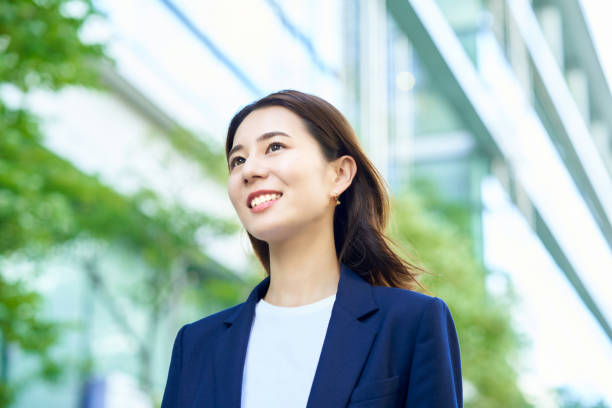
column 345, row 169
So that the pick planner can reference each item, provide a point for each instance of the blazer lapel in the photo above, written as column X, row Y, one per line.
column 346, row 346
column 231, row 349
column 347, row 342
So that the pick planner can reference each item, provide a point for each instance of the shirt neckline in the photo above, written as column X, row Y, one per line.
column 320, row 304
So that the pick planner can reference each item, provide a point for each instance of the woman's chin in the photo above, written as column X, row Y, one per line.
column 270, row 235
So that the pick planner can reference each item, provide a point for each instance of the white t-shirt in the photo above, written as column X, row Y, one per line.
column 283, row 352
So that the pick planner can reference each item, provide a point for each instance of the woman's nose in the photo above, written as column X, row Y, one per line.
column 253, row 168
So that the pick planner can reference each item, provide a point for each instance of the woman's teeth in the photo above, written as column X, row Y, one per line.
column 264, row 198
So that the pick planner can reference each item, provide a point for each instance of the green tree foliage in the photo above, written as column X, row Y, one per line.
column 20, row 325
column 434, row 235
column 40, row 44
column 39, row 47
column 46, row 202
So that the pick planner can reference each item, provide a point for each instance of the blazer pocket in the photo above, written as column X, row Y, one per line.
column 375, row 389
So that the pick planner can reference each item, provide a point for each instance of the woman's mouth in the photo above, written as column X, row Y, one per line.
column 264, row 201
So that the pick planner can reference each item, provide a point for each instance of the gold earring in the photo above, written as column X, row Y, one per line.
column 336, row 197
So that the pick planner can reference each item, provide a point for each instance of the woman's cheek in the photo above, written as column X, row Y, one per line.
column 234, row 196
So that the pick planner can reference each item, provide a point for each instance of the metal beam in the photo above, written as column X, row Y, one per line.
column 580, row 50
column 567, row 127
column 212, row 47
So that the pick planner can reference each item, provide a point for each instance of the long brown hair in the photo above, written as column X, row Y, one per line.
column 360, row 220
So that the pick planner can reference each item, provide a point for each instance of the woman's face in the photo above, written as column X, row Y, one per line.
column 277, row 153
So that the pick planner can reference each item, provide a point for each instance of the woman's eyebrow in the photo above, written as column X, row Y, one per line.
column 264, row 136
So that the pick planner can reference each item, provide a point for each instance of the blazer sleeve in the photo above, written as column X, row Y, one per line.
column 435, row 376
column 171, row 392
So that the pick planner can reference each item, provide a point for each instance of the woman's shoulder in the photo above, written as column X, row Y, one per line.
column 405, row 302
column 210, row 323
column 393, row 294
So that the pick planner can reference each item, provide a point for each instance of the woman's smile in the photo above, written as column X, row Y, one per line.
column 265, row 202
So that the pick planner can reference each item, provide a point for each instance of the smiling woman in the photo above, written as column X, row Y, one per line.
column 336, row 322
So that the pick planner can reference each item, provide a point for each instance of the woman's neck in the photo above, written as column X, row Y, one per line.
column 303, row 269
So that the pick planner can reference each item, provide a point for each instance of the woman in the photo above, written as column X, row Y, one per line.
column 335, row 323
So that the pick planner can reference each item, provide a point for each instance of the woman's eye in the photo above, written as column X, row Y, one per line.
column 275, row 144
column 233, row 163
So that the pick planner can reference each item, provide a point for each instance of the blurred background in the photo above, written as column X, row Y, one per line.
column 491, row 121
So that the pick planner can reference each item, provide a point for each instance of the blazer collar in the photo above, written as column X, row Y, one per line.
column 345, row 348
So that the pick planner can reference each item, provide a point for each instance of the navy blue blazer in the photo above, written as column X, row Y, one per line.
column 384, row 347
